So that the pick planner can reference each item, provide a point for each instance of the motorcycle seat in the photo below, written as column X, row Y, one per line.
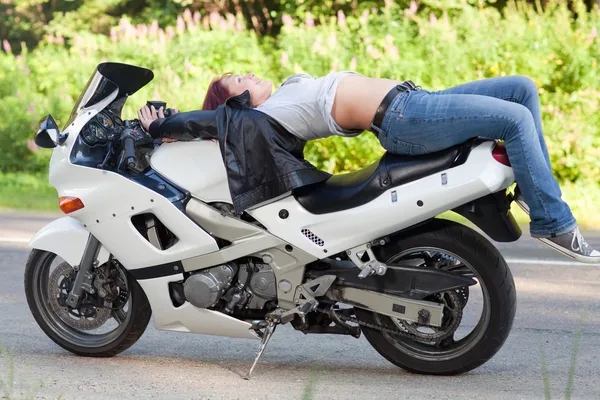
column 345, row 191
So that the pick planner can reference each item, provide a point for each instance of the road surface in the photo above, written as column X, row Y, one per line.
column 558, row 317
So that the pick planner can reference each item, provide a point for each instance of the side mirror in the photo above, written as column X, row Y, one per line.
column 48, row 135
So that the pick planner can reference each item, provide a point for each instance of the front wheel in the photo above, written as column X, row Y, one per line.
column 106, row 322
column 477, row 319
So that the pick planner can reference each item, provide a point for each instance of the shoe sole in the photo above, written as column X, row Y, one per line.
column 568, row 253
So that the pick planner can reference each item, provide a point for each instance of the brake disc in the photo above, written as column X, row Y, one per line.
column 87, row 316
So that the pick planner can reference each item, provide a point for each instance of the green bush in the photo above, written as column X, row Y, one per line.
column 436, row 49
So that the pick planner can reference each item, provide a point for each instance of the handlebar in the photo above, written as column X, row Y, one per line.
column 128, row 141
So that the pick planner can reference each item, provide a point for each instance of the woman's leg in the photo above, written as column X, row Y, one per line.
column 517, row 89
column 419, row 122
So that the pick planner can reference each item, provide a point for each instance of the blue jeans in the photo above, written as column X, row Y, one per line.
column 507, row 108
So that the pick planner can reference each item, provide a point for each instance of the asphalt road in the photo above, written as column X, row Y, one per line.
column 558, row 317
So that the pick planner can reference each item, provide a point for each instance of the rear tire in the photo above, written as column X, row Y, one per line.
column 67, row 337
column 493, row 275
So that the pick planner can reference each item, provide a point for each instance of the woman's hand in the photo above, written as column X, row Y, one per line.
column 148, row 115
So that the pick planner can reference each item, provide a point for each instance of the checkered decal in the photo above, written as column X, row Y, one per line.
column 312, row 237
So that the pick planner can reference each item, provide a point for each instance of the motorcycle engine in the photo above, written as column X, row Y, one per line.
column 262, row 286
column 203, row 289
column 255, row 286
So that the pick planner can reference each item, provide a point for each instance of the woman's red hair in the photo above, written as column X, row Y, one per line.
column 216, row 93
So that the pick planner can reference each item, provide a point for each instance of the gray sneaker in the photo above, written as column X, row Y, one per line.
column 573, row 245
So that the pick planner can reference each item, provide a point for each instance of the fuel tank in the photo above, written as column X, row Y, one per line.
column 196, row 166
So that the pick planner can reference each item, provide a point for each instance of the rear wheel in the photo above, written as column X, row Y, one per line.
column 477, row 319
column 106, row 322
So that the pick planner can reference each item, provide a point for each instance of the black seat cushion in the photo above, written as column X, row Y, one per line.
column 345, row 191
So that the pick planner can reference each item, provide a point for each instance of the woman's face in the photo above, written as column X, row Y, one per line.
column 260, row 90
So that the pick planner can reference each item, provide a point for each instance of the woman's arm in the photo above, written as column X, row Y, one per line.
column 181, row 126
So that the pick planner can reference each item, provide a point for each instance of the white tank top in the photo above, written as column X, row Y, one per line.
column 302, row 104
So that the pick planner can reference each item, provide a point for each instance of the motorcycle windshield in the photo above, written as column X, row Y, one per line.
column 108, row 78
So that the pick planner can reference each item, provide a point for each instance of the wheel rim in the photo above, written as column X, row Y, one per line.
column 450, row 348
column 96, row 338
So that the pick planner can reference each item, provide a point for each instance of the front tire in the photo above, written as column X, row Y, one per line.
column 499, row 297
column 131, row 323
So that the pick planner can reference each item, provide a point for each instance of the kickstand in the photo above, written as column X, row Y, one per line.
column 270, row 328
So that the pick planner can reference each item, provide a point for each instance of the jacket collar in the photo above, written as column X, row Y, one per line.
column 241, row 102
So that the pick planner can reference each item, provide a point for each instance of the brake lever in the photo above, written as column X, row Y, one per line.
column 107, row 157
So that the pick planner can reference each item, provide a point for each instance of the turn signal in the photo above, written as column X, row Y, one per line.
column 499, row 154
column 70, row 204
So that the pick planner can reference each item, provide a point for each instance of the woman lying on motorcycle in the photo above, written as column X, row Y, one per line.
column 409, row 120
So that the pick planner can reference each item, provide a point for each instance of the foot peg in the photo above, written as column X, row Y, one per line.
column 369, row 267
column 266, row 336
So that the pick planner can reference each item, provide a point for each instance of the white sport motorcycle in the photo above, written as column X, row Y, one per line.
column 150, row 229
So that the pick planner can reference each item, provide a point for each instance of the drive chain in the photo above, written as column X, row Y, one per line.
column 421, row 336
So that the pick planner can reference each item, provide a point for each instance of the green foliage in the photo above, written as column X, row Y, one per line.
column 436, row 49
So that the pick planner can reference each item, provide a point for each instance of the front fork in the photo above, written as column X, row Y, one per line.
column 83, row 280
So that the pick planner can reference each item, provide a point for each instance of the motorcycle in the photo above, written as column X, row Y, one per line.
column 150, row 229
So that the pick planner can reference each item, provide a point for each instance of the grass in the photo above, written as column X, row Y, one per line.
column 315, row 372
column 8, row 378
column 574, row 354
column 23, row 191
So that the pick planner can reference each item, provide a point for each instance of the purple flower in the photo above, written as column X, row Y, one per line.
column 180, row 25
column 196, row 17
column 412, row 10
column 187, row 15
column 32, row 146
column 432, row 19
column 113, row 34
column 230, row 19
column 310, row 22
column 162, row 38
column 364, row 17
column 341, row 18
column 284, row 59
column 287, row 20
column 153, row 28
column 6, row 46
column 170, row 32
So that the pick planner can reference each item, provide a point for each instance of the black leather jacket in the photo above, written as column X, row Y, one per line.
column 262, row 159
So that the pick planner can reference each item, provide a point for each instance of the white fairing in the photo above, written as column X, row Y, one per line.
column 196, row 166
column 189, row 318
column 67, row 237
column 479, row 176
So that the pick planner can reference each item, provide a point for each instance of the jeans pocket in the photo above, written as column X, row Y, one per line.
column 399, row 103
column 381, row 135
column 398, row 146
